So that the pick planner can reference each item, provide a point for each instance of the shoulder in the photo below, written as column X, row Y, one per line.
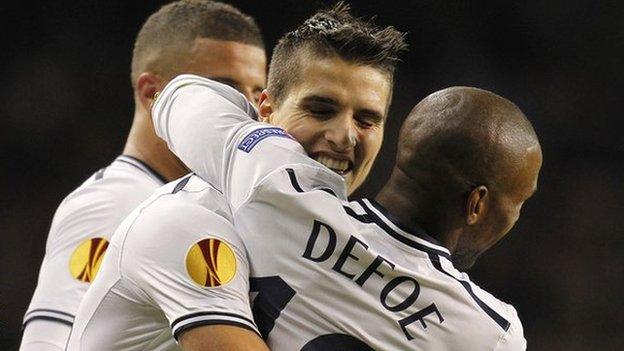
column 177, row 217
column 307, row 178
column 97, row 206
column 506, row 316
column 117, row 188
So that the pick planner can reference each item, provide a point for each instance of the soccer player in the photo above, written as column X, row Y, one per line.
column 327, row 274
column 208, row 38
column 329, row 86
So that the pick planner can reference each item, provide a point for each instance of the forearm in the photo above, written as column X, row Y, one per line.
column 198, row 118
column 221, row 337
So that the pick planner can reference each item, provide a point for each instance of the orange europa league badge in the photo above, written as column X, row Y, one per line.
column 211, row 262
column 86, row 259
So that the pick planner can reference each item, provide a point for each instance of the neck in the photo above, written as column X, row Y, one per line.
column 406, row 199
column 145, row 145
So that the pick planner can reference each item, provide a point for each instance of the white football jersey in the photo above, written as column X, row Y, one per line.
column 175, row 263
column 324, row 273
column 78, row 238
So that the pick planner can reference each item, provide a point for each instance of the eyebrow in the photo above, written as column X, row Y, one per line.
column 320, row 100
column 372, row 114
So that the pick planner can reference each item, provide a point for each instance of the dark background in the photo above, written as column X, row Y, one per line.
column 66, row 107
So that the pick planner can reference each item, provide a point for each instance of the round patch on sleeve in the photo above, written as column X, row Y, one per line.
column 86, row 259
column 211, row 262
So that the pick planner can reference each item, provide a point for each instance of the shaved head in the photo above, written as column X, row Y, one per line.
column 467, row 161
column 464, row 136
column 167, row 37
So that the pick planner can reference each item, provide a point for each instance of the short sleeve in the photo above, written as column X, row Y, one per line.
column 513, row 339
column 191, row 264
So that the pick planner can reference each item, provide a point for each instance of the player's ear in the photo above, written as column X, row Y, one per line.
column 147, row 85
column 477, row 204
column 265, row 106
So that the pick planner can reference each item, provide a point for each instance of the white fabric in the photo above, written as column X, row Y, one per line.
column 144, row 293
column 93, row 210
column 45, row 335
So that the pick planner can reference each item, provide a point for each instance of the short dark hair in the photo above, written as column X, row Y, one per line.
column 334, row 32
column 172, row 29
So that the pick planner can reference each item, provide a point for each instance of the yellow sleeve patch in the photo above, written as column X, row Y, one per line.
column 211, row 263
column 86, row 259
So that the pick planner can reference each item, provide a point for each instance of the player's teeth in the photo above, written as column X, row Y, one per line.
column 338, row 165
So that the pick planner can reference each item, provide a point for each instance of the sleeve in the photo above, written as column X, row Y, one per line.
column 45, row 335
column 209, row 126
column 191, row 265
column 513, row 339
column 84, row 220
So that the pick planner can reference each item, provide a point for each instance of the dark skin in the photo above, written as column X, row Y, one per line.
column 467, row 161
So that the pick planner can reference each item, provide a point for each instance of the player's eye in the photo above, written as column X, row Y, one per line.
column 321, row 112
column 366, row 121
column 363, row 123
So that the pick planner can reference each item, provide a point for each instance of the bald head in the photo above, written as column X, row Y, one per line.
column 467, row 161
column 464, row 136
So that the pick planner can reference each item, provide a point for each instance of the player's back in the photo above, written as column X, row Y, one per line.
column 78, row 238
column 328, row 273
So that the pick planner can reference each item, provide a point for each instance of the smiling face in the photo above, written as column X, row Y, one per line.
column 337, row 111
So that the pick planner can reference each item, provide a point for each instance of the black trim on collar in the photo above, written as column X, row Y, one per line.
column 417, row 230
column 147, row 169
column 400, row 237
column 364, row 218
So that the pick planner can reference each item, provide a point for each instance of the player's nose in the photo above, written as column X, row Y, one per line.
column 341, row 133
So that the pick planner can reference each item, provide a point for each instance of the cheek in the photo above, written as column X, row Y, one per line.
column 303, row 130
column 370, row 144
column 506, row 224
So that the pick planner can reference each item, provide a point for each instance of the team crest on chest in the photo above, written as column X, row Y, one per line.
column 211, row 263
column 86, row 259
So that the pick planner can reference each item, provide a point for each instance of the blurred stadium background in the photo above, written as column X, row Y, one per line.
column 66, row 107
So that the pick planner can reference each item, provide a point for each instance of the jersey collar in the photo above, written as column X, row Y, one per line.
column 398, row 229
column 143, row 167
